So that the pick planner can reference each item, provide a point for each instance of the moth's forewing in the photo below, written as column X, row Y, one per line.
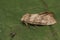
column 45, row 18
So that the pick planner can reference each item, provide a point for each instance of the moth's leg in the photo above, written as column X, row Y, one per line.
column 27, row 25
column 35, row 27
column 53, row 31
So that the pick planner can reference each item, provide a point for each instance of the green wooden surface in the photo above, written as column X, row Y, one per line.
column 11, row 12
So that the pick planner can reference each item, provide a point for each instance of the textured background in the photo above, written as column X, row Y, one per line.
column 11, row 12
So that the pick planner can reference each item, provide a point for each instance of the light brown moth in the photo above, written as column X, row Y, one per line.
column 43, row 18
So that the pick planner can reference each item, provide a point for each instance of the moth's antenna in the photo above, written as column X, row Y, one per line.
column 45, row 4
column 51, row 28
column 54, row 32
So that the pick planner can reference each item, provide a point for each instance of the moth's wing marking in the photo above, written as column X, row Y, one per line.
column 33, row 17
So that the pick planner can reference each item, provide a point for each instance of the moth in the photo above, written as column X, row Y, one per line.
column 42, row 18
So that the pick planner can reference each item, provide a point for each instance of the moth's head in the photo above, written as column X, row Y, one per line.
column 25, row 17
